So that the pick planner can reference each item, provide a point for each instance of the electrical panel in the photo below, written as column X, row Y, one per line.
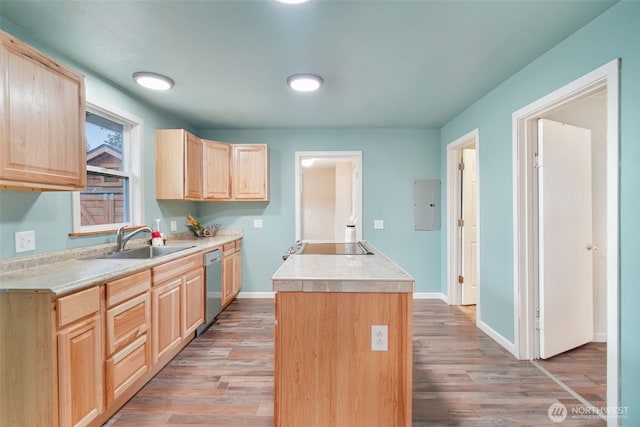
column 426, row 204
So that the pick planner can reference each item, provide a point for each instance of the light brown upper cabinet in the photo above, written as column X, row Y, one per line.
column 178, row 165
column 190, row 168
column 250, row 172
column 217, row 170
column 42, row 134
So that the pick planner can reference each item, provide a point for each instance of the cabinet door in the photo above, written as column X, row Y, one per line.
column 237, row 271
column 216, row 173
column 193, row 167
column 166, row 315
column 250, row 172
column 192, row 302
column 42, row 134
column 227, row 278
column 80, row 378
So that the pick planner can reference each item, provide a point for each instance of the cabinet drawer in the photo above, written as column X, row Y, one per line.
column 176, row 268
column 127, row 322
column 127, row 366
column 78, row 305
column 228, row 248
column 127, row 287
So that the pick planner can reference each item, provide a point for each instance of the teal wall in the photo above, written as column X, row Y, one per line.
column 392, row 159
column 50, row 213
column 615, row 34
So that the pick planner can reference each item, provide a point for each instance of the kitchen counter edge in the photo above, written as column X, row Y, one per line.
column 348, row 273
column 62, row 278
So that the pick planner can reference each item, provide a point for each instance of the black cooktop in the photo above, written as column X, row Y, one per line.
column 357, row 248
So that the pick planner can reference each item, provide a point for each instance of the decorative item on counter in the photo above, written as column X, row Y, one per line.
column 350, row 230
column 162, row 238
column 157, row 239
column 213, row 229
column 195, row 226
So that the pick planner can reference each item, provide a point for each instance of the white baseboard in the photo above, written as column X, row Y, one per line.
column 430, row 295
column 244, row 294
column 600, row 337
column 508, row 345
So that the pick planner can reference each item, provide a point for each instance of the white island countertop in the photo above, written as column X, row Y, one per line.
column 341, row 273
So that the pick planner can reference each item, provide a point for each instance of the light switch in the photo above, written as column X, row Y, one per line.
column 378, row 224
column 257, row 223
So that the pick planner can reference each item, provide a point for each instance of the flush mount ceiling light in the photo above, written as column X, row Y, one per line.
column 305, row 82
column 307, row 162
column 153, row 81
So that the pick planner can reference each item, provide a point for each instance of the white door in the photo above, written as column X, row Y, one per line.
column 470, row 229
column 565, row 233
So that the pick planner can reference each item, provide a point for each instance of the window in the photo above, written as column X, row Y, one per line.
column 114, row 195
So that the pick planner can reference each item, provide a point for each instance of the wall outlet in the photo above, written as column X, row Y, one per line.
column 25, row 241
column 379, row 338
column 378, row 224
column 173, row 226
column 257, row 223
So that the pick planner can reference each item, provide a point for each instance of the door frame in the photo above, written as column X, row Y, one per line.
column 524, row 247
column 454, row 150
column 356, row 156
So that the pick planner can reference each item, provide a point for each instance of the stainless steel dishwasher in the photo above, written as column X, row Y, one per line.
column 213, row 288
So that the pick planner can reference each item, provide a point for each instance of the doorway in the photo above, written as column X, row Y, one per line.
column 528, row 253
column 328, row 194
column 463, row 220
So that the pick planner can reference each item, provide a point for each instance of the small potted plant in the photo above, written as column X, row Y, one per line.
column 195, row 226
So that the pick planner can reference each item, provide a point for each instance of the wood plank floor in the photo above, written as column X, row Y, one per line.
column 461, row 377
column 584, row 369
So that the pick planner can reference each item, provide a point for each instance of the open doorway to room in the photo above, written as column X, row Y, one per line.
column 575, row 125
column 328, row 194
column 463, row 221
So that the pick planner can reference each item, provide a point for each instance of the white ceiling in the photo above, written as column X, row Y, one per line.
column 386, row 63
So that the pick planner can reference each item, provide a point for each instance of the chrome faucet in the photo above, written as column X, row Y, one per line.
column 122, row 240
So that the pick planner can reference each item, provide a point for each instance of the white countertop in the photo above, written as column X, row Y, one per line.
column 64, row 277
column 341, row 273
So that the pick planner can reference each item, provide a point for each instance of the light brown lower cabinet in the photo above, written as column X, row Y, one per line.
column 75, row 360
column 167, row 333
column 127, row 324
column 80, row 385
column 178, row 303
column 126, row 367
column 231, row 271
column 80, row 357
column 326, row 374
column 192, row 302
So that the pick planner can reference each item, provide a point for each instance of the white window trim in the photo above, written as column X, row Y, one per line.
column 133, row 163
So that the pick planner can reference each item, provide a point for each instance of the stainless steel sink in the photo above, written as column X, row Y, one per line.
column 146, row 252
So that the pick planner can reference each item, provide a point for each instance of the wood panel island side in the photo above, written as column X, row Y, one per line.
column 326, row 373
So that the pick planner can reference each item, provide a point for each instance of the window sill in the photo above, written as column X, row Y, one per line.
column 98, row 232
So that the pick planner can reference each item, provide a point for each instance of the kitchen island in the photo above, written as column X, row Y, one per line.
column 331, row 365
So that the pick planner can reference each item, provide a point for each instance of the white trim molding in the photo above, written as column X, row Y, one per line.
column 524, row 254
column 256, row 295
column 453, row 207
column 430, row 295
column 494, row 335
column 357, row 186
